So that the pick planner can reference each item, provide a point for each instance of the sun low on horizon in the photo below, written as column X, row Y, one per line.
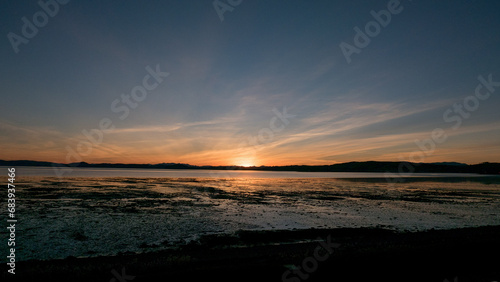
column 235, row 140
column 273, row 83
column 245, row 163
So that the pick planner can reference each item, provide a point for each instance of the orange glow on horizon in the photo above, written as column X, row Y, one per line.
column 245, row 162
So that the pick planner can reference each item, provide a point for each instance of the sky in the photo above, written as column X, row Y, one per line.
column 240, row 82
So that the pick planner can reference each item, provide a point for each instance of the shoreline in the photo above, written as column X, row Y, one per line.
column 353, row 166
column 432, row 255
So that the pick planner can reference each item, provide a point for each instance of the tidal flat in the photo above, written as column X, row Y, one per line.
column 108, row 216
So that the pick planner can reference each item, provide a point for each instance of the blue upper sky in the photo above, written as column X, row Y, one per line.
column 229, row 81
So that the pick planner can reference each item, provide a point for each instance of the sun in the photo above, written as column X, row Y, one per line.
column 245, row 162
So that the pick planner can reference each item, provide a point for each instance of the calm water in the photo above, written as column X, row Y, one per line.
column 199, row 173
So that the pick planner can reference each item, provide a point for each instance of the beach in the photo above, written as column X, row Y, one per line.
column 92, row 228
column 232, row 140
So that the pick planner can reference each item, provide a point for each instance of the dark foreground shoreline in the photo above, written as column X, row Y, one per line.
column 363, row 254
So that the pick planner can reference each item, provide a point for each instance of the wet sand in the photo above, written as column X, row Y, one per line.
column 83, row 217
column 363, row 254
column 192, row 229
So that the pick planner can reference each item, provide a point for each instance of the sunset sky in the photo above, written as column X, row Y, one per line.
column 266, row 85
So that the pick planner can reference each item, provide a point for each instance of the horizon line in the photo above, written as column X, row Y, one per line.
column 234, row 165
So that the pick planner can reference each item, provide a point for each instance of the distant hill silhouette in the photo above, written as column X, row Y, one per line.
column 368, row 166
